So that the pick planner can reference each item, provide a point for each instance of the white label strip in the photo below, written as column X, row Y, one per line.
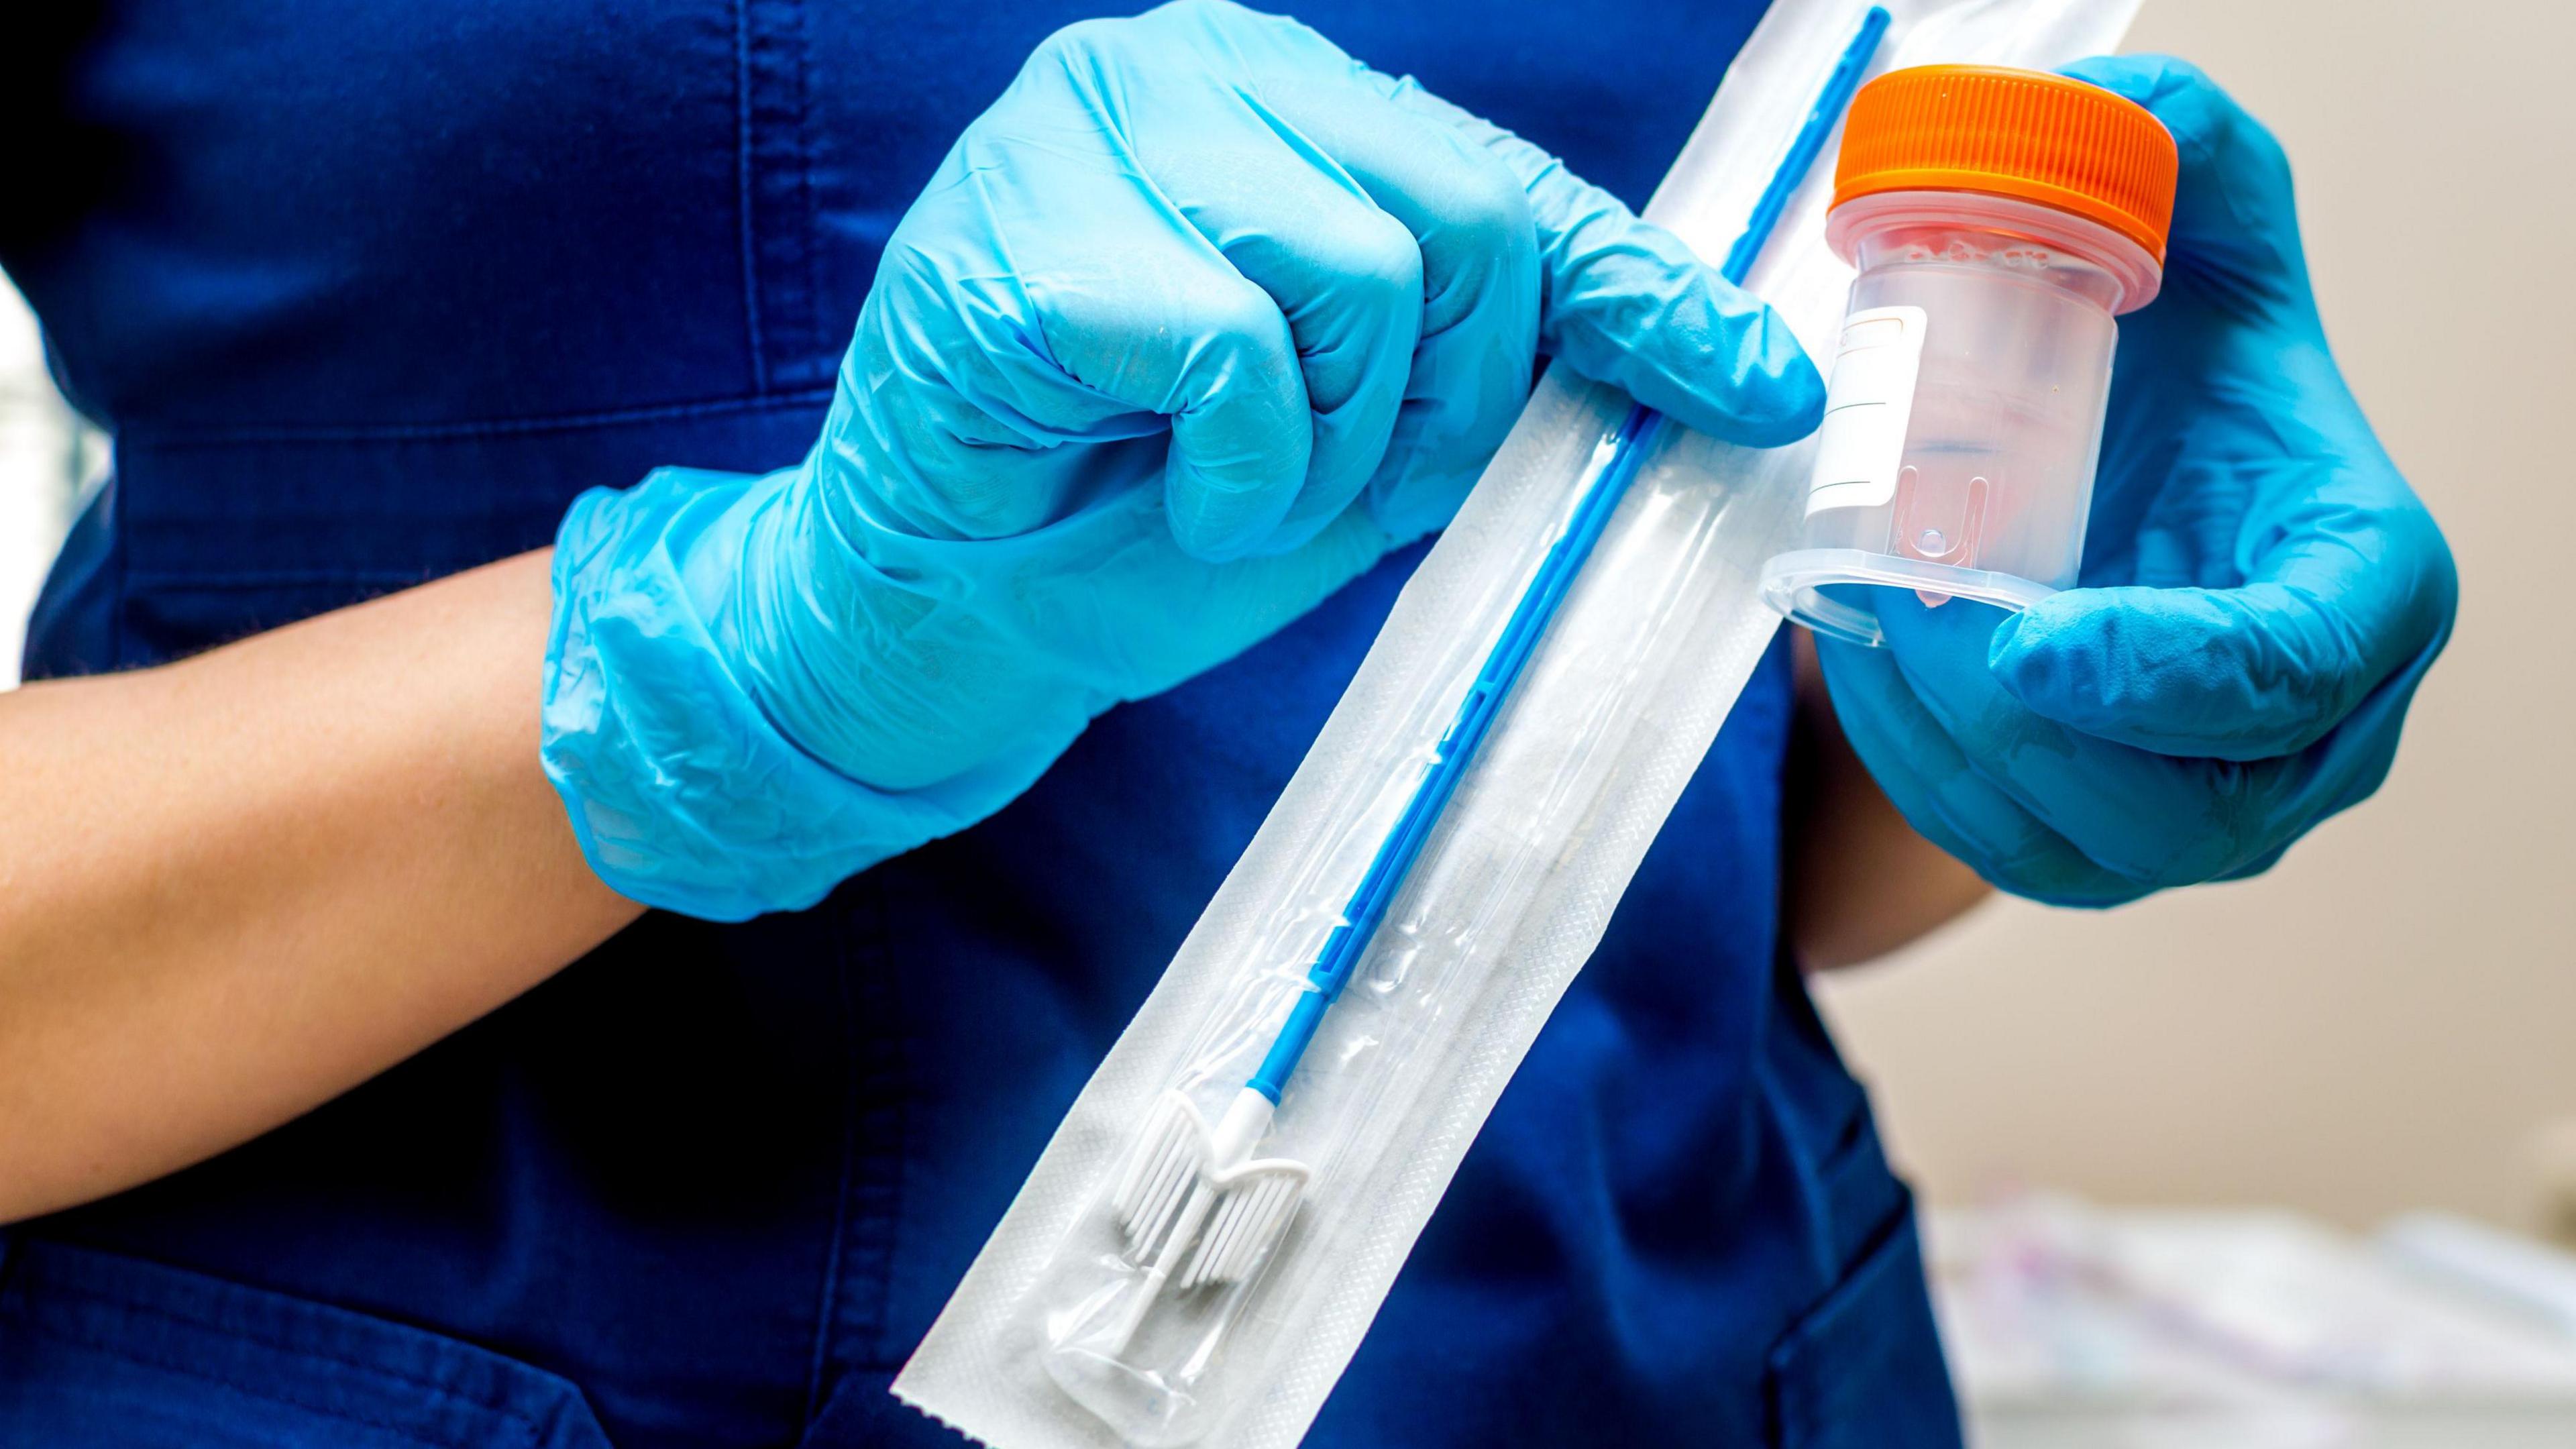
column 1867, row 407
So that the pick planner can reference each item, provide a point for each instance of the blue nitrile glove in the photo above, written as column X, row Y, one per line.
column 1190, row 328
column 2261, row 590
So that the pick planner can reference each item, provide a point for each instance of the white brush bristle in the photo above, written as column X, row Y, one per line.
column 1158, row 1175
column 1254, row 1210
column 1169, row 1166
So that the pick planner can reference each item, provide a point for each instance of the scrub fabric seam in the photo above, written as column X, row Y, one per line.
column 827, row 1301
column 1818, row 1226
column 876, row 946
column 816, row 319
column 185, row 437
column 155, row 578
column 743, row 194
column 528, row 1426
column 257, row 1340
column 865, row 967
column 1791, row 1418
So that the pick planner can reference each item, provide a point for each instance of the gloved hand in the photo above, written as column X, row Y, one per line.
column 1190, row 328
column 2261, row 590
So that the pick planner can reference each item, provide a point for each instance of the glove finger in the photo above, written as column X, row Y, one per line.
column 2156, row 819
column 1346, row 275
column 1471, row 222
column 1623, row 301
column 2353, row 585
column 1930, row 781
column 1226, row 374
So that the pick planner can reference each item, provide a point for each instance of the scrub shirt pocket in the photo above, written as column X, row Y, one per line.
column 100, row 1350
column 1862, row 1369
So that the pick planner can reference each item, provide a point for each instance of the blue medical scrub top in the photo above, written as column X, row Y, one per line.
column 367, row 292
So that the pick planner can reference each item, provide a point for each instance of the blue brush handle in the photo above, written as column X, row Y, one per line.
column 1349, row 941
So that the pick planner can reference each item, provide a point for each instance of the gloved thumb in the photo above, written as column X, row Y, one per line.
column 1623, row 301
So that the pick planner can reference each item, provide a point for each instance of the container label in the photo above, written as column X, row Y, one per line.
column 1867, row 407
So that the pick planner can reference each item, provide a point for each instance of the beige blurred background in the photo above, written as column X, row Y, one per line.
column 2388, row 1019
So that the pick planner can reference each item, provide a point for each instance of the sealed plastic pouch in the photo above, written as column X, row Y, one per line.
column 1204, row 1242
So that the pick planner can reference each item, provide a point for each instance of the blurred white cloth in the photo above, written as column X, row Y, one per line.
column 46, row 454
column 2071, row 1327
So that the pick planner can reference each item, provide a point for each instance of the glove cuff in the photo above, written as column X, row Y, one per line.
column 684, row 794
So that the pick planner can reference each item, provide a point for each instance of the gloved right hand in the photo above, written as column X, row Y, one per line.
column 1190, row 328
column 2261, row 593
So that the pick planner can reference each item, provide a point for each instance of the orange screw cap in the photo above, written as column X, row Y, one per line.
column 2018, row 133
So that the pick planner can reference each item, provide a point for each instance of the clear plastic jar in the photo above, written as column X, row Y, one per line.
column 1964, row 415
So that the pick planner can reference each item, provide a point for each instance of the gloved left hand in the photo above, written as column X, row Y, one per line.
column 2261, row 590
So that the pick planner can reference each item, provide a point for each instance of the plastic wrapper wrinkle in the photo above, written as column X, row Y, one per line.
column 1513, row 889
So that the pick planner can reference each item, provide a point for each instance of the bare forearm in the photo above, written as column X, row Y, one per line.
column 1861, row 882
column 233, row 887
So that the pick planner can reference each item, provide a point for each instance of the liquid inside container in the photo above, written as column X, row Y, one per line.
column 1964, row 414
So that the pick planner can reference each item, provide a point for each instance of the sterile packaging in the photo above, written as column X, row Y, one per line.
column 2000, row 220
column 1188, row 1263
